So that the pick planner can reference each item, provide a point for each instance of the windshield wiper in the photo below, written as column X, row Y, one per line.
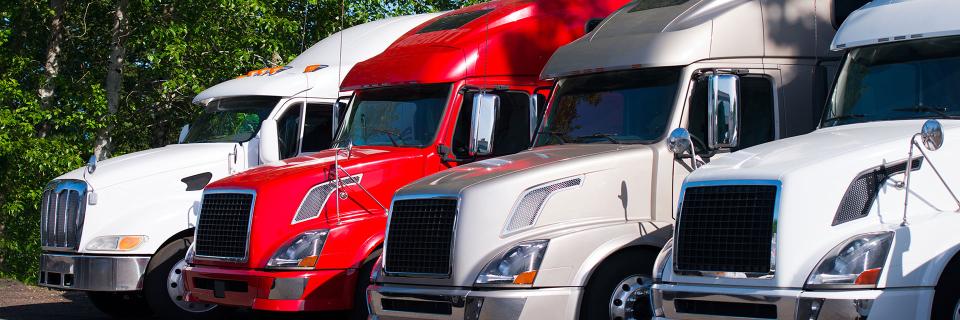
column 608, row 136
column 388, row 133
column 845, row 117
column 557, row 134
column 939, row 111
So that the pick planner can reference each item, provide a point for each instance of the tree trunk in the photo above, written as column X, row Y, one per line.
column 51, row 65
column 103, row 144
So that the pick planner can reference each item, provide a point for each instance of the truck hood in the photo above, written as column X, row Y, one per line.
column 452, row 181
column 815, row 170
column 157, row 161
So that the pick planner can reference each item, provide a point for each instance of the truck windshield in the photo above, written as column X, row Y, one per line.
column 406, row 116
column 907, row 80
column 231, row 120
column 623, row 107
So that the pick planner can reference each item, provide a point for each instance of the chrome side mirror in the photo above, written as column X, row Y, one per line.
column 680, row 143
column 269, row 142
column 931, row 134
column 723, row 108
column 485, row 108
column 183, row 133
column 92, row 164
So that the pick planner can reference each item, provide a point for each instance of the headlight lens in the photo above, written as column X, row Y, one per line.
column 116, row 243
column 855, row 263
column 301, row 252
column 517, row 266
column 660, row 264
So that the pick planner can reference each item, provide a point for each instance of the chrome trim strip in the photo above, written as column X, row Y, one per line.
column 453, row 237
column 773, row 236
column 246, row 250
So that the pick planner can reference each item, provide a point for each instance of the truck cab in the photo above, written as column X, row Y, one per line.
column 119, row 228
column 571, row 228
column 304, row 234
column 855, row 220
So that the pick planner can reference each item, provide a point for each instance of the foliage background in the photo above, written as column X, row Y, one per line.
column 173, row 50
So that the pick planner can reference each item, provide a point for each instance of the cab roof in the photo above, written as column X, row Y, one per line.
column 496, row 38
column 359, row 43
column 883, row 21
column 648, row 33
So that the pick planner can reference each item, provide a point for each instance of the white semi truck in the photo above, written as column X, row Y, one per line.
column 571, row 228
column 119, row 228
column 856, row 220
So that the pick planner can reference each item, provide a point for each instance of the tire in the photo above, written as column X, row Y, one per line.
column 120, row 305
column 360, row 311
column 164, row 277
column 619, row 288
column 946, row 297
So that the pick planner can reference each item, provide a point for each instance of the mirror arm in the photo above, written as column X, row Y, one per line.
column 446, row 155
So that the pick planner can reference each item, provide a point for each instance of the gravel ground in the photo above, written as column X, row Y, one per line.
column 23, row 302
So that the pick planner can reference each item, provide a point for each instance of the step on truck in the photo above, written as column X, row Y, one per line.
column 571, row 228
column 119, row 228
column 856, row 220
column 303, row 235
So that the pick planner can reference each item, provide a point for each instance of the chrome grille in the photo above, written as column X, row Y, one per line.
column 419, row 237
column 223, row 226
column 726, row 228
column 62, row 211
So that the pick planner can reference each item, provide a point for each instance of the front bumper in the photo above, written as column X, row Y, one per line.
column 404, row 302
column 92, row 273
column 314, row 290
column 681, row 301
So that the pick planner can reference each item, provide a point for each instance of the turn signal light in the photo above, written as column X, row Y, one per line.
column 869, row 276
column 129, row 242
column 525, row 277
column 308, row 262
column 314, row 67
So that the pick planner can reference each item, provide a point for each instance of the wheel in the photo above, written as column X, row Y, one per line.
column 360, row 311
column 946, row 297
column 121, row 305
column 163, row 285
column 620, row 288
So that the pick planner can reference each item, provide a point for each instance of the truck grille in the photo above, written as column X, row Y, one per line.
column 420, row 236
column 726, row 228
column 224, row 225
column 61, row 213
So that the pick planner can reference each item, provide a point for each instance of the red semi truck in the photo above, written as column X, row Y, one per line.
column 303, row 234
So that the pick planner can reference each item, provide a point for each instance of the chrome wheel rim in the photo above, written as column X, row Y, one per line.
column 631, row 299
column 177, row 292
column 956, row 310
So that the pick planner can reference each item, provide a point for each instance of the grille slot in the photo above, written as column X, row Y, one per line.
column 727, row 309
column 420, row 236
column 726, row 228
column 61, row 214
column 224, row 225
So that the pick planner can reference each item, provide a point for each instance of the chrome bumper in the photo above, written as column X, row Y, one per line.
column 673, row 301
column 92, row 273
column 389, row 302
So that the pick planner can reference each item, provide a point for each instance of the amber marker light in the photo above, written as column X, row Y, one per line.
column 314, row 67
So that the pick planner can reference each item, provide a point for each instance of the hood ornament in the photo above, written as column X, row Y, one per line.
column 931, row 136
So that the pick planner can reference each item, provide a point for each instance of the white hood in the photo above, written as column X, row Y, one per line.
column 158, row 161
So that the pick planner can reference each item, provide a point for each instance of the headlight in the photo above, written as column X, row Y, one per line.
column 660, row 264
column 517, row 266
column 301, row 252
column 116, row 243
column 855, row 263
column 191, row 253
column 377, row 270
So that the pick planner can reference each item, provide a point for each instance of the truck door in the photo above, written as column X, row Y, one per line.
column 759, row 114
column 512, row 129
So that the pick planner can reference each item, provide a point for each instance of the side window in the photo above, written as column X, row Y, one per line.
column 317, row 127
column 288, row 130
column 757, row 121
column 512, row 132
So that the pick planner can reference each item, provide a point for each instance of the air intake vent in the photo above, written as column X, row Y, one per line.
column 726, row 228
column 863, row 190
column 318, row 196
column 224, row 225
column 62, row 211
column 419, row 237
column 528, row 208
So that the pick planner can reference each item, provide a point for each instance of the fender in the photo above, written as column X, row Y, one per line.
column 922, row 251
column 372, row 244
column 584, row 250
